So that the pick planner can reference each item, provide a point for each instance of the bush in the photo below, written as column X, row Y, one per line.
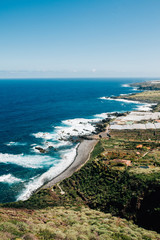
column 47, row 234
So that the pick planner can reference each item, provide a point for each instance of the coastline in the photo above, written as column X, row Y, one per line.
column 83, row 152
column 135, row 151
column 85, row 147
column 69, row 130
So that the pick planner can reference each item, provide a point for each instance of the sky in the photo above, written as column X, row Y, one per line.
column 79, row 38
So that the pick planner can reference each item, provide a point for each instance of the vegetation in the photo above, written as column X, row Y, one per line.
column 148, row 85
column 123, row 191
column 121, row 178
column 112, row 186
column 68, row 223
column 147, row 96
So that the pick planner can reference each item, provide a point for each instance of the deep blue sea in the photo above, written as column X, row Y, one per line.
column 43, row 113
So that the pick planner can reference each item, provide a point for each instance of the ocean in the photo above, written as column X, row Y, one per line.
column 44, row 114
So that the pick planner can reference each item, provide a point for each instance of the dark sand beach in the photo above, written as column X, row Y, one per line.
column 83, row 154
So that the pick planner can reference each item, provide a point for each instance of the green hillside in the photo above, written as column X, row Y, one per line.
column 68, row 223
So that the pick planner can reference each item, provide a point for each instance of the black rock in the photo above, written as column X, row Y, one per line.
column 41, row 149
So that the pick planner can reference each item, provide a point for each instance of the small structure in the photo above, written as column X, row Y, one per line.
column 128, row 163
column 139, row 146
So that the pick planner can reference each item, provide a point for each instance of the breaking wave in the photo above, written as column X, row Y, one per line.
column 15, row 144
column 67, row 157
column 26, row 161
column 141, row 106
column 10, row 179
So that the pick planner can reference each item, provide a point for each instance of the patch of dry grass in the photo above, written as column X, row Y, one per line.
column 62, row 223
column 152, row 96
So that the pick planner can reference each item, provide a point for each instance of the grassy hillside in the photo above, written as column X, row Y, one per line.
column 147, row 96
column 68, row 223
column 151, row 96
column 148, row 85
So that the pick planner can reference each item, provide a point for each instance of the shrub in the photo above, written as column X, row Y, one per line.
column 10, row 228
column 47, row 234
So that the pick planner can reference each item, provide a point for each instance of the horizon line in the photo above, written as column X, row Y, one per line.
column 30, row 78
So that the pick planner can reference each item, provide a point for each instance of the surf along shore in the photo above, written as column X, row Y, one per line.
column 151, row 103
column 122, row 176
column 83, row 153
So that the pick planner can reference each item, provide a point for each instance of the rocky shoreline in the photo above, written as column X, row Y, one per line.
column 83, row 151
column 87, row 142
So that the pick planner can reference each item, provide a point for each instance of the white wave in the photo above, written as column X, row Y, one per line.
column 76, row 127
column 142, row 106
column 47, row 145
column 110, row 115
column 125, row 85
column 9, row 178
column 58, row 144
column 44, row 135
column 121, row 100
column 15, row 144
column 103, row 98
column 69, row 128
column 145, row 107
column 67, row 157
column 27, row 161
column 101, row 115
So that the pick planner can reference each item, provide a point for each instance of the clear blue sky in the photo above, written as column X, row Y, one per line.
column 79, row 38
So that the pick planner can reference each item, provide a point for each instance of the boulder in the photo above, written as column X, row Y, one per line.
column 41, row 150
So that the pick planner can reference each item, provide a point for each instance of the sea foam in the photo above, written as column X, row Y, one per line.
column 67, row 158
column 9, row 179
column 142, row 106
column 120, row 100
column 26, row 161
column 69, row 128
column 125, row 85
column 101, row 116
column 145, row 107
column 15, row 144
column 59, row 138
